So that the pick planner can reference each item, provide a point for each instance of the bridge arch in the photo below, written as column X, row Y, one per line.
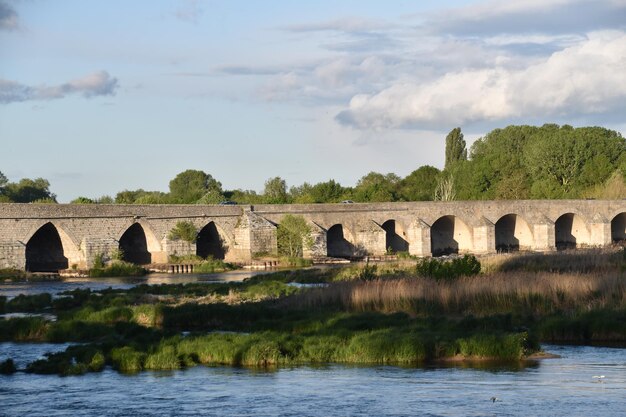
column 618, row 228
column 395, row 237
column 449, row 234
column 211, row 242
column 513, row 233
column 49, row 249
column 570, row 231
column 339, row 242
column 138, row 243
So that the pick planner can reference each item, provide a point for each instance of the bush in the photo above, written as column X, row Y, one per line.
column 184, row 231
column 438, row 269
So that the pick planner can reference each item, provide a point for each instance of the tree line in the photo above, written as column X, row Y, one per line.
column 516, row 162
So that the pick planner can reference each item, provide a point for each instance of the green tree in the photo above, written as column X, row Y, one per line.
column 293, row 235
column 82, row 200
column 328, row 192
column 276, row 191
column 303, row 194
column 191, row 185
column 419, row 185
column 376, row 187
column 244, row 196
column 564, row 161
column 28, row 191
column 455, row 147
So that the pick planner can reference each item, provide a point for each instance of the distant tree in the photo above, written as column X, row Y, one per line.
column 191, row 185
column 82, row 200
column 128, row 197
column 376, row 187
column 153, row 197
column 328, row 192
column 275, row 191
column 302, row 194
column 564, row 161
column 211, row 197
column 28, row 191
column 244, row 196
column 3, row 182
column 455, row 147
column 105, row 199
column 293, row 235
column 419, row 185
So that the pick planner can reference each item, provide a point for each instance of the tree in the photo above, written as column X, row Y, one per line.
column 276, row 191
column 328, row 192
column 445, row 188
column 455, row 147
column 376, row 187
column 28, row 191
column 191, row 185
column 82, row 200
column 419, row 185
column 3, row 181
column 303, row 194
column 293, row 234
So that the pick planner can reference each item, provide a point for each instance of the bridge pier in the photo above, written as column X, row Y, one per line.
column 600, row 231
column 418, row 235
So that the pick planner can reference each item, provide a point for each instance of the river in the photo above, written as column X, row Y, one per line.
column 554, row 387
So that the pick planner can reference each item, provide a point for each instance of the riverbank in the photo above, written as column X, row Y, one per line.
column 371, row 314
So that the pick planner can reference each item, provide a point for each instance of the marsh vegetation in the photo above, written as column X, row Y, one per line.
column 407, row 312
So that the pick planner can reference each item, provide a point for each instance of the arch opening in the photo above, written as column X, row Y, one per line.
column 394, row 240
column 44, row 251
column 210, row 243
column 134, row 245
column 513, row 234
column 570, row 231
column 449, row 235
column 337, row 244
column 618, row 228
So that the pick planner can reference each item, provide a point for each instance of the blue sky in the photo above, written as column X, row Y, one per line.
column 101, row 96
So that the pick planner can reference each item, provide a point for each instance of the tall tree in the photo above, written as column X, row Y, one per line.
column 455, row 147
column 276, row 191
column 419, row 185
column 191, row 185
column 376, row 187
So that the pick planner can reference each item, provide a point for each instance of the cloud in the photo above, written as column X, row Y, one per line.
column 8, row 17
column 529, row 16
column 96, row 84
column 587, row 78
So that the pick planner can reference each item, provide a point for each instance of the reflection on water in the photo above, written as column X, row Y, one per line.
column 554, row 387
column 55, row 287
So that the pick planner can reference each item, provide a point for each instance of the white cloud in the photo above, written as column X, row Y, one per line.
column 96, row 84
column 586, row 78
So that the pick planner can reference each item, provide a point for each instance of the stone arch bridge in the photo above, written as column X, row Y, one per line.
column 42, row 237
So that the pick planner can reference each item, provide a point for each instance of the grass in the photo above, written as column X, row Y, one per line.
column 117, row 269
column 371, row 314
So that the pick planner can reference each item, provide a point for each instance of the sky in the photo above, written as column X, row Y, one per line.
column 102, row 96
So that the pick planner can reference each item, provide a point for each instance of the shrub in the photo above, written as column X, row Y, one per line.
column 184, row 231
column 467, row 265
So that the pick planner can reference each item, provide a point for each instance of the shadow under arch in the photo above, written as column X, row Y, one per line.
column 210, row 242
column 394, row 239
column 570, row 231
column 618, row 228
column 338, row 246
column 513, row 233
column 448, row 235
column 134, row 245
column 47, row 249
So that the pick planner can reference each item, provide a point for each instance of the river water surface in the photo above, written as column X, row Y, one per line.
column 567, row 386
column 584, row 381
